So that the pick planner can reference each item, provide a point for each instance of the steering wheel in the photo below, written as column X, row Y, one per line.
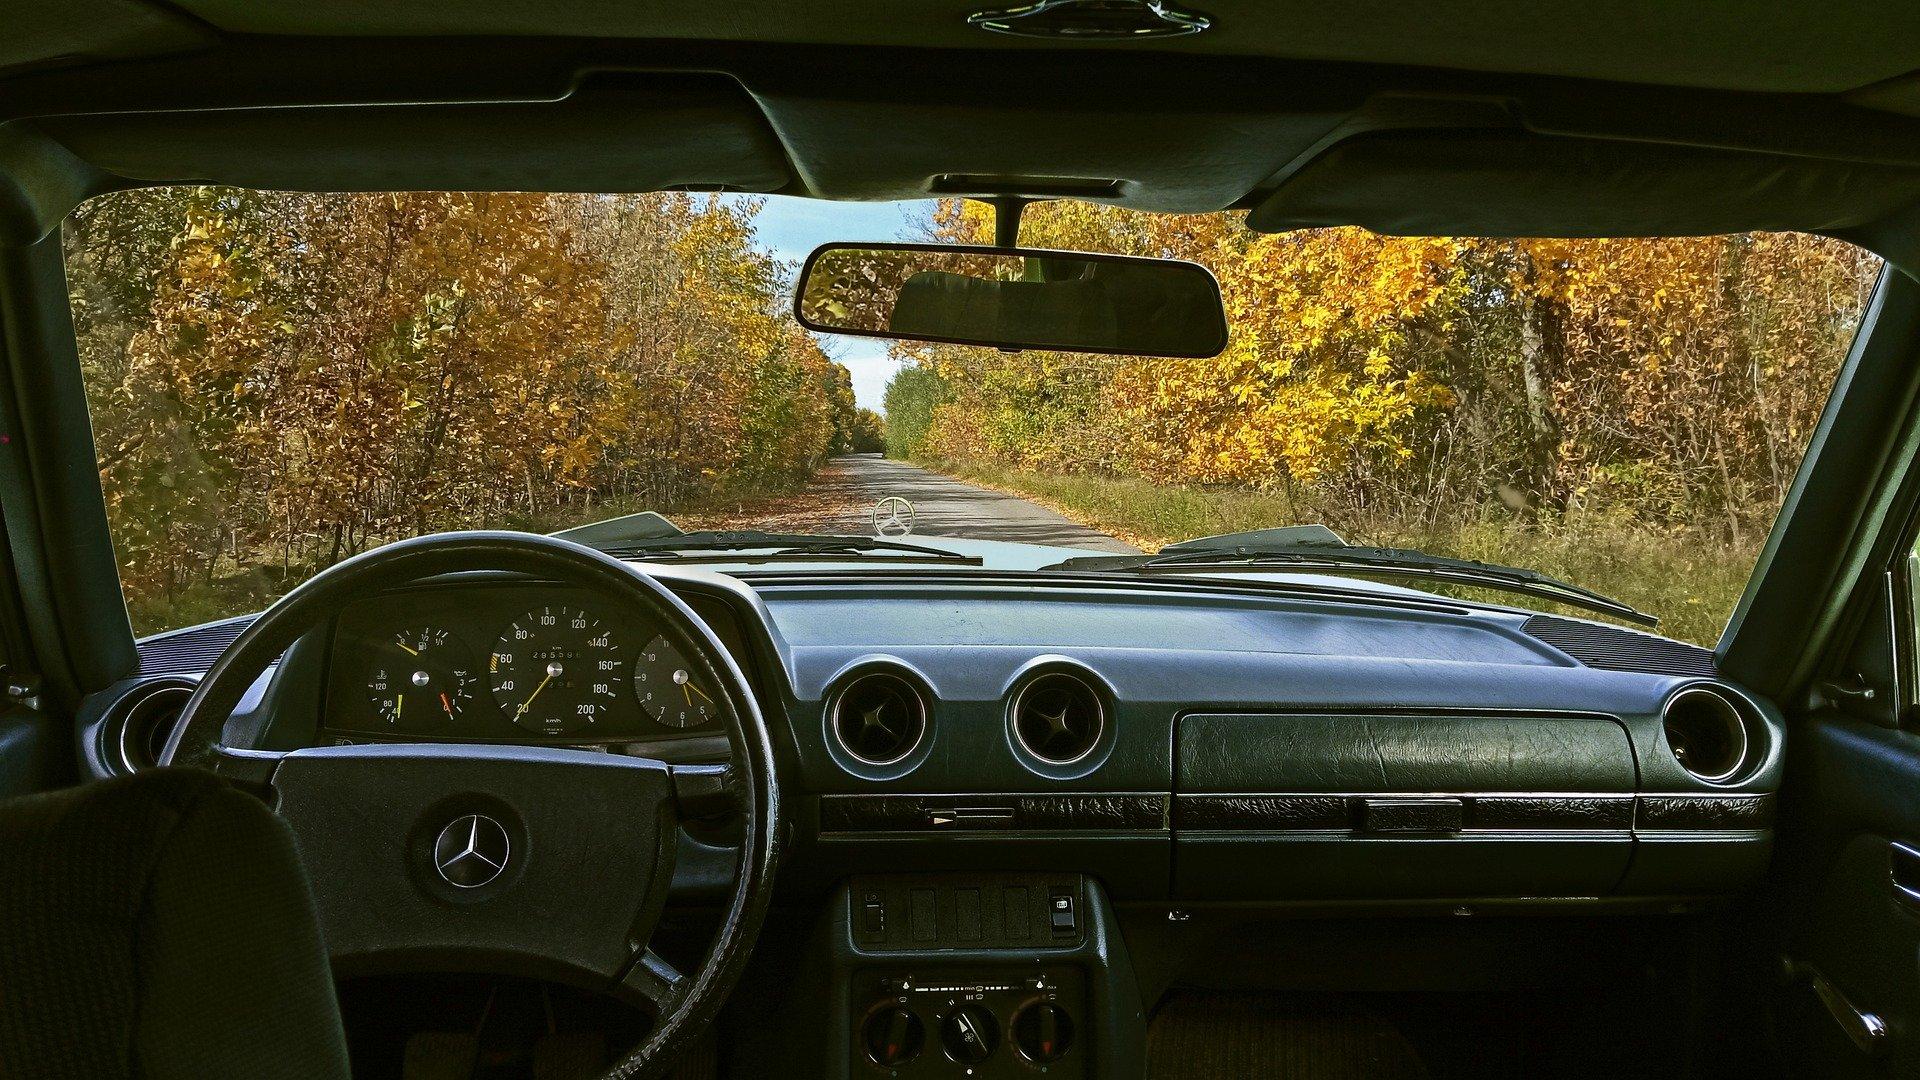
column 543, row 861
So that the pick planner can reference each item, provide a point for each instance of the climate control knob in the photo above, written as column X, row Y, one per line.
column 894, row 1036
column 1043, row 1031
column 969, row 1034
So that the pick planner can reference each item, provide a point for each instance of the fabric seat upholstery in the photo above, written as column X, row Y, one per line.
column 159, row 926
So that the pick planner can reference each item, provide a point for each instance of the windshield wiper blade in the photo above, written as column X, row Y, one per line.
column 1340, row 558
column 780, row 544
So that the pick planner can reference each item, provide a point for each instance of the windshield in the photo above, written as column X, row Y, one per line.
column 279, row 381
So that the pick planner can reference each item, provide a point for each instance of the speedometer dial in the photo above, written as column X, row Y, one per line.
column 667, row 689
column 556, row 670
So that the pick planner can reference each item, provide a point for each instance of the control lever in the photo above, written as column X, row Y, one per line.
column 1904, row 869
column 1866, row 1031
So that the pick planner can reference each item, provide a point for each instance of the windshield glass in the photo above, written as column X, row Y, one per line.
column 281, row 380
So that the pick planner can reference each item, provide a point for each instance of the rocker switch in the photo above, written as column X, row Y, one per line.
column 1065, row 919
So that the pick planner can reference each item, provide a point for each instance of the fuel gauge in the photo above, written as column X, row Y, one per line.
column 420, row 680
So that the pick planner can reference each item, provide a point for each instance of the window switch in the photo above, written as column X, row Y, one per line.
column 1060, row 908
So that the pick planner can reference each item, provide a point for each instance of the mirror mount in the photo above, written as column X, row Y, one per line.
column 1006, row 218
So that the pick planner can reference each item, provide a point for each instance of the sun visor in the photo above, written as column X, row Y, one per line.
column 1511, row 184
column 630, row 133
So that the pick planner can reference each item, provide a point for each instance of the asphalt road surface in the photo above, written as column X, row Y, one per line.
column 944, row 506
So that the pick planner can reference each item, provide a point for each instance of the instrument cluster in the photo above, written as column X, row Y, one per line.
column 509, row 663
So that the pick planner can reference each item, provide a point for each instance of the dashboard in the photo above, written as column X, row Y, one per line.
column 1189, row 741
column 505, row 662
column 985, row 776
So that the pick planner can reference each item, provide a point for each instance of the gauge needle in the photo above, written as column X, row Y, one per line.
column 410, row 651
column 527, row 704
column 447, row 705
column 692, row 690
column 399, row 705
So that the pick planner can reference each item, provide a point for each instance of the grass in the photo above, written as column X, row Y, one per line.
column 1691, row 582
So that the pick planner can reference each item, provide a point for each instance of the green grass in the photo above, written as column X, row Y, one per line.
column 1691, row 581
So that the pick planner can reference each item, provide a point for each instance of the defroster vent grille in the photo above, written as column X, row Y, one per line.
column 1616, row 649
column 191, row 651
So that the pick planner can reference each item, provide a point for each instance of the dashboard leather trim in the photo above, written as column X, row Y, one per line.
column 1725, row 813
column 1502, row 812
column 1402, row 753
column 1107, row 812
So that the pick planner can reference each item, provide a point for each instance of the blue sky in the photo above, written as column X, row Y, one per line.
column 791, row 228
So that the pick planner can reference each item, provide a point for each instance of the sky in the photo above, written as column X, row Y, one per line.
column 791, row 228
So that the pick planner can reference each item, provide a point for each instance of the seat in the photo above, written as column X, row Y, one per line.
column 159, row 926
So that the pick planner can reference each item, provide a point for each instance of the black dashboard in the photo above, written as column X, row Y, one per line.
column 1178, row 741
column 984, row 775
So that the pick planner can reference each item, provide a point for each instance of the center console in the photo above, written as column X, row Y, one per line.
column 980, row 976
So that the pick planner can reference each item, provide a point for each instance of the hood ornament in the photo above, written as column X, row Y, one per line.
column 892, row 516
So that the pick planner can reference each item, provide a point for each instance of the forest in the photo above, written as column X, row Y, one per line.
column 1624, row 413
column 281, row 380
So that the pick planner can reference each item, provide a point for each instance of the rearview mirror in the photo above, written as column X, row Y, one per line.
column 1013, row 298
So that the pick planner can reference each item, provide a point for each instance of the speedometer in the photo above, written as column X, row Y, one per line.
column 557, row 669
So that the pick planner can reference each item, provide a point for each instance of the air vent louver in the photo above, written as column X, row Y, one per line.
column 1059, row 718
column 879, row 718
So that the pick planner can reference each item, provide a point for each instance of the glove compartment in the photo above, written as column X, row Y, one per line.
column 1358, row 807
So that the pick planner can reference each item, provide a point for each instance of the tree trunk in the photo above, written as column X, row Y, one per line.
column 1539, row 347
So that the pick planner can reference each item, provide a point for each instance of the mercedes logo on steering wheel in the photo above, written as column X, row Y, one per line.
column 471, row 851
column 892, row 516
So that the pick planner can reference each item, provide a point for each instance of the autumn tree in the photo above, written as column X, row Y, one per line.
column 280, row 380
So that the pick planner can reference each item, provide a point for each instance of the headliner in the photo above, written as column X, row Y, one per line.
column 1602, row 117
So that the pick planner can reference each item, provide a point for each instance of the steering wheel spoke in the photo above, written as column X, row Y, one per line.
column 655, row 978
column 248, row 767
column 706, row 791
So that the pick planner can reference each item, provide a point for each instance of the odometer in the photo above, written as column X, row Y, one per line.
column 556, row 670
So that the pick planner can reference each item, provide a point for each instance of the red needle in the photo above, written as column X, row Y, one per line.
column 445, row 704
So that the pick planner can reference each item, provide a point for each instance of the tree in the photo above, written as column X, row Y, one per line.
column 1666, row 381
column 280, row 380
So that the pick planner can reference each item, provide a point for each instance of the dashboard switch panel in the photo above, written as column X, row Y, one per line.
column 935, row 912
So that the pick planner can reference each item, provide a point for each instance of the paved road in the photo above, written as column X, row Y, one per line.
column 944, row 506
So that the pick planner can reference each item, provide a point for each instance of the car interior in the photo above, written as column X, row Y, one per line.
column 941, row 819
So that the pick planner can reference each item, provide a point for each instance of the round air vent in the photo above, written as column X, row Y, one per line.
column 1707, row 731
column 1059, row 718
column 879, row 717
column 148, row 716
